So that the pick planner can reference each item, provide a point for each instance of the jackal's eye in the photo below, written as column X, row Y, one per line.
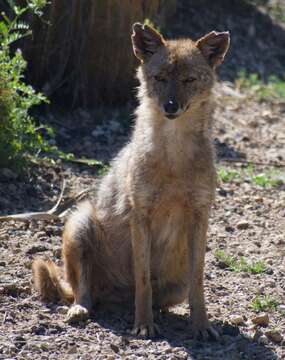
column 160, row 78
column 189, row 80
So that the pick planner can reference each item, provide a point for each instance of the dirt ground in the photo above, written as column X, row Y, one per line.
column 248, row 220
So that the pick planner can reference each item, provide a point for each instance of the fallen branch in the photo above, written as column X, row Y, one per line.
column 248, row 162
column 56, row 212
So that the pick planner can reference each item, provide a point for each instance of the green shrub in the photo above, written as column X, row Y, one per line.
column 273, row 89
column 240, row 264
column 19, row 136
column 264, row 303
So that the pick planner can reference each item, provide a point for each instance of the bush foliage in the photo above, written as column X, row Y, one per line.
column 19, row 136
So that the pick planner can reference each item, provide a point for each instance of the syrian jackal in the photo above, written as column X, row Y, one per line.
column 143, row 240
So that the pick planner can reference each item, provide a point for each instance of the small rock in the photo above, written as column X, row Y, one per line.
column 41, row 235
column 57, row 252
column 39, row 330
column 242, row 225
column 15, row 289
column 72, row 350
column 236, row 319
column 19, row 341
column 221, row 264
column 36, row 248
column 261, row 319
column 44, row 346
column 269, row 271
column 257, row 335
column 230, row 330
column 229, row 229
column 115, row 348
column 62, row 309
column 271, row 284
column 274, row 335
column 263, row 340
column 124, row 341
column 280, row 241
column 222, row 192
column 281, row 307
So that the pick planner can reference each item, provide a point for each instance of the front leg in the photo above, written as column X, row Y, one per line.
column 197, row 248
column 141, row 246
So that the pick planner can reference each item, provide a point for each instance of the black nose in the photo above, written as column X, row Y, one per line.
column 171, row 107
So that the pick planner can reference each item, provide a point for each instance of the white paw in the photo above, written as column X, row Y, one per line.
column 76, row 314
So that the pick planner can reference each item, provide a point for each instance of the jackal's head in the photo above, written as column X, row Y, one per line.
column 177, row 74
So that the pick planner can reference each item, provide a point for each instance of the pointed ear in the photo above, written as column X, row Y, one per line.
column 214, row 46
column 146, row 41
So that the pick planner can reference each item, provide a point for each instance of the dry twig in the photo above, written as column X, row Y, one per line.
column 56, row 212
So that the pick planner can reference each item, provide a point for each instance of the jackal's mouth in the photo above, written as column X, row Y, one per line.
column 171, row 116
column 180, row 112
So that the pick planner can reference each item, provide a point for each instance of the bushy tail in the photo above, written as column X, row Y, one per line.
column 49, row 282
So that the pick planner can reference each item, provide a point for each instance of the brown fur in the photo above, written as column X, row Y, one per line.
column 144, row 239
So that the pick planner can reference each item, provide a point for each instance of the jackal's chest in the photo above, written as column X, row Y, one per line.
column 174, row 198
column 170, row 229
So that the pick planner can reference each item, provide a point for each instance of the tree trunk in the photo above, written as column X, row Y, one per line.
column 81, row 52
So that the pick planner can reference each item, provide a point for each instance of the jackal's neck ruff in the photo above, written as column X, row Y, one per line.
column 178, row 141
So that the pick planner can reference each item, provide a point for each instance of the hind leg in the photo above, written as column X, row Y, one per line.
column 79, row 242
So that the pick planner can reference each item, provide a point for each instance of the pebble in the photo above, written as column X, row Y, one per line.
column 115, row 348
column 39, row 330
column 57, row 252
column 257, row 335
column 62, row 309
column 41, row 235
column 36, row 248
column 72, row 350
column 263, row 340
column 19, row 341
column 261, row 319
column 230, row 330
column 236, row 319
column 229, row 229
column 281, row 307
column 274, row 335
column 271, row 284
column 222, row 192
column 269, row 270
column 242, row 225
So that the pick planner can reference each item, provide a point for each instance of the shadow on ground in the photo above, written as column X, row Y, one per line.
column 175, row 331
